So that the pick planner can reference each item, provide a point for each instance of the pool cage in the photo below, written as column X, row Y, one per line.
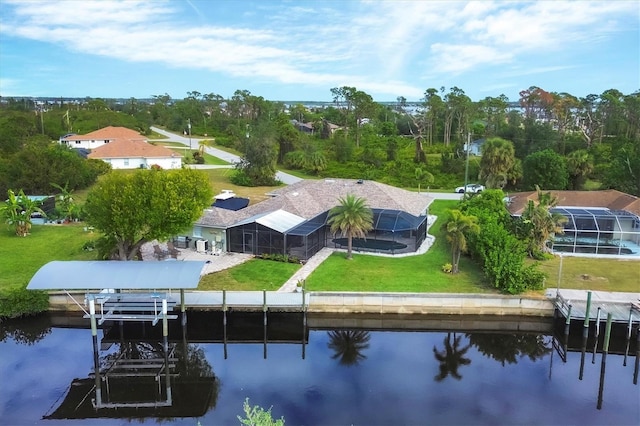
column 598, row 231
column 393, row 232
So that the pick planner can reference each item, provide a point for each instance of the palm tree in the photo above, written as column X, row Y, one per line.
column 457, row 227
column 352, row 218
column 580, row 165
column 543, row 223
column 349, row 345
column 451, row 358
column 204, row 143
column 498, row 158
column 17, row 211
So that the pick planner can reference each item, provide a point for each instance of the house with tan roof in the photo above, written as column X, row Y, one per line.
column 598, row 222
column 293, row 221
column 101, row 137
column 136, row 154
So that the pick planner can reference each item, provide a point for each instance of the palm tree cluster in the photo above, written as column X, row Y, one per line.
column 543, row 224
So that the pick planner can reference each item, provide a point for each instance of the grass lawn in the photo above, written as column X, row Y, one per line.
column 23, row 256
column 593, row 274
column 256, row 274
column 219, row 179
column 421, row 273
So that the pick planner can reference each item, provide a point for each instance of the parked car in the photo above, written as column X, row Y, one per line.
column 472, row 187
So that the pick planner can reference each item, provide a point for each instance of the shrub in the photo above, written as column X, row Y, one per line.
column 15, row 302
column 447, row 268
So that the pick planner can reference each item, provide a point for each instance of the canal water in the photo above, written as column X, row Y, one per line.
column 315, row 371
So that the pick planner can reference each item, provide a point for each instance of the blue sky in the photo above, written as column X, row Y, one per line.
column 299, row 50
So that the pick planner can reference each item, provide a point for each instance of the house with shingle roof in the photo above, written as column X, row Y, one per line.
column 136, row 154
column 101, row 137
column 293, row 221
column 598, row 222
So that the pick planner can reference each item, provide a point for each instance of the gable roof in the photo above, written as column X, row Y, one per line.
column 610, row 199
column 110, row 133
column 309, row 198
column 131, row 149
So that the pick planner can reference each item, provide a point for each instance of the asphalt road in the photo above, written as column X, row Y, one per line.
column 283, row 177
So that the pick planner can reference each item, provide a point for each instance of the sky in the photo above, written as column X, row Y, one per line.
column 299, row 50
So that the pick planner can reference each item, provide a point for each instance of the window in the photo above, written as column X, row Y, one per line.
column 126, row 161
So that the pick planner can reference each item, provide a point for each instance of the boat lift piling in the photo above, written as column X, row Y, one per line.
column 603, row 365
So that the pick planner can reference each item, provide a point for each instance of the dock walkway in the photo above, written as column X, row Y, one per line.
column 624, row 307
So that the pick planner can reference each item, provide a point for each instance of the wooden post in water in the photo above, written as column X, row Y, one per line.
column 96, row 360
column 165, row 342
column 595, row 344
column 629, row 329
column 585, row 330
column 264, row 309
column 567, row 326
column 603, row 365
column 637, row 366
column 183, row 307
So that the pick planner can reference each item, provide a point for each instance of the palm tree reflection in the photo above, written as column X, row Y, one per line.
column 349, row 345
column 451, row 358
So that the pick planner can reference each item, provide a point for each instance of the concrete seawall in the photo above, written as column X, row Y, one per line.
column 379, row 303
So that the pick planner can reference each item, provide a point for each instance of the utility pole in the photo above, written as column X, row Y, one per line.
column 189, row 128
column 466, row 168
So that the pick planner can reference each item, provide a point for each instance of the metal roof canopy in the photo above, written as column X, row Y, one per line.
column 118, row 275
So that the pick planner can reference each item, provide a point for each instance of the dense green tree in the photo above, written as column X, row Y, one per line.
column 545, row 169
column 457, row 228
column 498, row 158
column 258, row 165
column 351, row 218
column 623, row 173
column 131, row 209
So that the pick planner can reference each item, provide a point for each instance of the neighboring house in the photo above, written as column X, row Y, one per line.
column 136, row 154
column 475, row 147
column 309, row 129
column 294, row 220
column 599, row 222
column 101, row 137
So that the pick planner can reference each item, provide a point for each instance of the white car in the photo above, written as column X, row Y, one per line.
column 473, row 188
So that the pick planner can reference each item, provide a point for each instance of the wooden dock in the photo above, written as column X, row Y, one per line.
column 623, row 307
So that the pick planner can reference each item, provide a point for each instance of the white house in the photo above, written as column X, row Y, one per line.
column 136, row 154
column 101, row 137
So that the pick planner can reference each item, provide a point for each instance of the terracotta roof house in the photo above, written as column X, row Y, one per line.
column 294, row 220
column 101, row 137
column 136, row 154
column 598, row 222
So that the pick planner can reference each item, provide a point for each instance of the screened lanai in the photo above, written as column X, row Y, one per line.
column 598, row 231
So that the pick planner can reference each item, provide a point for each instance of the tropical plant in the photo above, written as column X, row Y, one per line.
column 258, row 416
column 543, row 224
column 348, row 345
column 457, row 227
column 68, row 207
column 17, row 210
column 579, row 166
column 205, row 143
column 451, row 358
column 352, row 218
column 422, row 176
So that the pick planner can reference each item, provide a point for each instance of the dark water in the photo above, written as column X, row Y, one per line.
column 318, row 375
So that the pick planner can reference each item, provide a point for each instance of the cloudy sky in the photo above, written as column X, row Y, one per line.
column 299, row 50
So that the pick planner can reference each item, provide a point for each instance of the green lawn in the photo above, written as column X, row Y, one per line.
column 256, row 274
column 23, row 256
column 593, row 274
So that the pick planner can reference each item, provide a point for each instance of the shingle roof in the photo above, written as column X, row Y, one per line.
column 610, row 199
column 110, row 133
column 131, row 149
column 309, row 198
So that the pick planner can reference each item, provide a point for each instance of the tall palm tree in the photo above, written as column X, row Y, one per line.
column 349, row 345
column 457, row 227
column 498, row 158
column 352, row 218
column 543, row 223
column 451, row 358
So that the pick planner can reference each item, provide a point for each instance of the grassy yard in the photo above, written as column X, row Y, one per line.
column 256, row 274
column 593, row 274
column 23, row 256
column 421, row 273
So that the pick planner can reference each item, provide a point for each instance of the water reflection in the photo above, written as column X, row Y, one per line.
column 349, row 345
column 483, row 375
column 451, row 358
